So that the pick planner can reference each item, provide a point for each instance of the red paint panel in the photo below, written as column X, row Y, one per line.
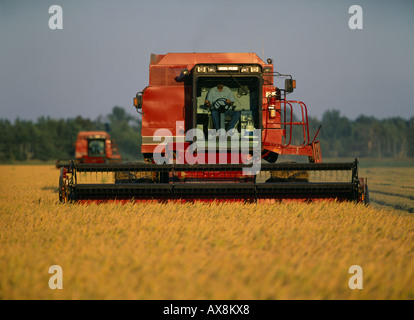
column 162, row 108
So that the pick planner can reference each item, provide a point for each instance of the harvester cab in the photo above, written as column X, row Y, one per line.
column 191, row 155
column 245, row 90
column 94, row 147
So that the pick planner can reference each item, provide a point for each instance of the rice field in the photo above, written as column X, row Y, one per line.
column 204, row 251
column 391, row 187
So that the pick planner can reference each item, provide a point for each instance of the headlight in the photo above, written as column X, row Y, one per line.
column 255, row 69
column 201, row 69
column 211, row 69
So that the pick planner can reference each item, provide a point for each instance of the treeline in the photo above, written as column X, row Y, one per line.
column 364, row 136
column 50, row 139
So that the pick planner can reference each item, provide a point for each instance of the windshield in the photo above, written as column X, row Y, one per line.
column 244, row 93
column 96, row 148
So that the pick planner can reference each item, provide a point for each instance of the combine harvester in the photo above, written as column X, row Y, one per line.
column 94, row 147
column 188, row 159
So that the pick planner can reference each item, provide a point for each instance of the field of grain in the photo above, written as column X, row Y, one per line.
column 203, row 251
column 391, row 187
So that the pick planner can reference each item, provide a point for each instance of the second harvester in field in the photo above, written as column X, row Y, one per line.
column 94, row 147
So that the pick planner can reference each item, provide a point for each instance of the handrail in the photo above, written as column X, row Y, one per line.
column 289, row 125
column 304, row 123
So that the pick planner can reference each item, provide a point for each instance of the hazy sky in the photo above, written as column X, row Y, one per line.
column 101, row 56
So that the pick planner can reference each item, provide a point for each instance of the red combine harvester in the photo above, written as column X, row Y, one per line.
column 94, row 147
column 191, row 156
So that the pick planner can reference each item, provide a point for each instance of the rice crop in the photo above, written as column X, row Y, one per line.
column 198, row 251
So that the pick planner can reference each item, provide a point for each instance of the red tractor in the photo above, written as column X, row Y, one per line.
column 191, row 155
column 94, row 147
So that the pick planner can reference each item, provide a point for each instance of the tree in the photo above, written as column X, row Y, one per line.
column 336, row 133
column 126, row 131
column 410, row 138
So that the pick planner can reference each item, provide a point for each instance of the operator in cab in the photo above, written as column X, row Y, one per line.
column 220, row 99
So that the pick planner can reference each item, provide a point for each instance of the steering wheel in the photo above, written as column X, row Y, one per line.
column 221, row 105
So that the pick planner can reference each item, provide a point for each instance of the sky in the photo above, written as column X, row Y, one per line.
column 100, row 58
